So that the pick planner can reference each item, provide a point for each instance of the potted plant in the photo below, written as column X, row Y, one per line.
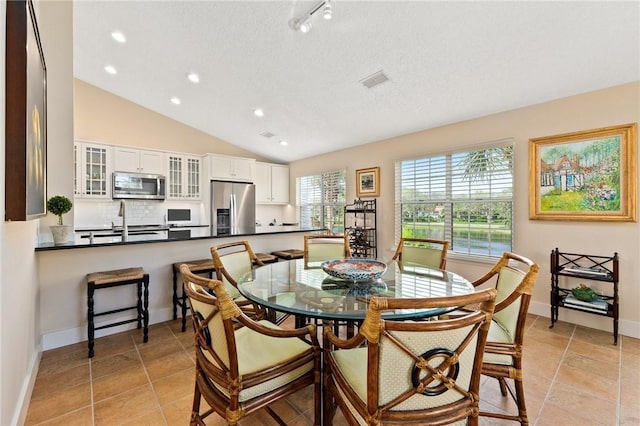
column 59, row 205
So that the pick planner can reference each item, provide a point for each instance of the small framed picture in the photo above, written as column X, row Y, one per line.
column 368, row 182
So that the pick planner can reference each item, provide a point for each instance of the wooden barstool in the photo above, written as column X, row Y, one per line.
column 267, row 258
column 289, row 254
column 115, row 278
column 200, row 266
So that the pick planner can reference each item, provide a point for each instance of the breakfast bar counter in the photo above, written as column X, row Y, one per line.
column 62, row 275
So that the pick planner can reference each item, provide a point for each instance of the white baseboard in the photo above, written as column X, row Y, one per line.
column 70, row 336
column 625, row 327
column 22, row 407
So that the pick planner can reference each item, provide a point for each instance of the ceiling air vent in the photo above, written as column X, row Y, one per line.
column 267, row 134
column 374, row 79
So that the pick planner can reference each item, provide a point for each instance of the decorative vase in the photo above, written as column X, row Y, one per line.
column 61, row 234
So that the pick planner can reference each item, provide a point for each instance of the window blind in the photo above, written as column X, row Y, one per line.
column 463, row 197
column 321, row 200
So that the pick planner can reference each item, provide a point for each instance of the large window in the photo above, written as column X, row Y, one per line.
column 321, row 199
column 465, row 198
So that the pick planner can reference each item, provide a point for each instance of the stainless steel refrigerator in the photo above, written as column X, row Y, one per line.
column 233, row 208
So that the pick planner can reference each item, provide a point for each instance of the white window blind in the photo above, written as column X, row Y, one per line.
column 464, row 197
column 321, row 199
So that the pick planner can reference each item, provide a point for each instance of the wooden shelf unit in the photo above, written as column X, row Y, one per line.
column 568, row 265
column 360, row 226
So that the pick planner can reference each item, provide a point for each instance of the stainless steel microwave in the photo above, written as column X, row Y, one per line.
column 138, row 186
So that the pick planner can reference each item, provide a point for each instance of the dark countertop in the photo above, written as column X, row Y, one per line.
column 197, row 233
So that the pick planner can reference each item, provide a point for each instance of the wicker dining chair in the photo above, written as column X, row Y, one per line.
column 243, row 365
column 318, row 248
column 404, row 372
column 515, row 277
column 231, row 261
column 423, row 251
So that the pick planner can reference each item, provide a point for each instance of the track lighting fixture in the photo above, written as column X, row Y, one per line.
column 303, row 22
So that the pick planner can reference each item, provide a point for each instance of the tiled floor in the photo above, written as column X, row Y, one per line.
column 573, row 376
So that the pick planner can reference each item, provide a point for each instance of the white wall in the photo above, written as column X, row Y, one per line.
column 19, row 275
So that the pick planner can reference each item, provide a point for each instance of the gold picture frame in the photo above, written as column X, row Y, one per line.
column 368, row 182
column 587, row 176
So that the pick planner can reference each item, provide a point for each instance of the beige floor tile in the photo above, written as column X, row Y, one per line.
column 596, row 337
column 175, row 386
column 607, row 353
column 586, row 364
column 154, row 418
column 81, row 417
column 116, row 363
column 583, row 402
column 61, row 380
column 126, row 406
column 554, row 415
column 630, row 345
column 156, row 350
column 118, row 383
column 560, row 328
column 178, row 412
column 303, row 399
column 579, row 379
column 114, row 344
column 59, row 403
column 58, row 360
column 169, row 364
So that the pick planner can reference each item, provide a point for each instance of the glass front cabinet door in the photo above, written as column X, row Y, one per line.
column 184, row 177
column 92, row 170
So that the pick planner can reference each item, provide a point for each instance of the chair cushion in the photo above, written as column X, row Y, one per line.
column 257, row 351
column 498, row 334
column 353, row 365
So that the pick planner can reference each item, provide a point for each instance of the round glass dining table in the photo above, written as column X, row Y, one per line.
column 291, row 288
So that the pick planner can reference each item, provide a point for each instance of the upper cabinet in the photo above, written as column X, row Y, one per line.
column 184, row 172
column 224, row 167
column 138, row 160
column 92, row 177
column 272, row 183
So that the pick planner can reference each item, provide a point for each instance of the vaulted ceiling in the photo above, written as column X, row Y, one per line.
column 445, row 62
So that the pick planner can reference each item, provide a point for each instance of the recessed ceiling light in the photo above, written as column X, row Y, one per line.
column 258, row 112
column 283, row 143
column 193, row 77
column 111, row 69
column 175, row 101
column 119, row 37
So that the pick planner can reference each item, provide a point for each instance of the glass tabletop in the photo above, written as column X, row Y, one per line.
column 290, row 287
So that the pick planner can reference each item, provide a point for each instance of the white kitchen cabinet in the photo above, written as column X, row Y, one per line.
column 92, row 173
column 229, row 168
column 183, row 179
column 272, row 183
column 138, row 160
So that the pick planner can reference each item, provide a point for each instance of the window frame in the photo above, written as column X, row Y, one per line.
column 449, row 200
column 335, row 223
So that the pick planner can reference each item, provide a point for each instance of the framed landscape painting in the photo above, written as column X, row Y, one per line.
column 368, row 182
column 588, row 175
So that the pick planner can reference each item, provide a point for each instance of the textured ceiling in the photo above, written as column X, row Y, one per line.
column 446, row 62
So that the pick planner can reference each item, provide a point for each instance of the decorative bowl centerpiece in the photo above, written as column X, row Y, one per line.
column 354, row 269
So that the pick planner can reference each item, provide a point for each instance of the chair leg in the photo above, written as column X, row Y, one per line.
column 503, row 385
column 90, row 325
column 146, row 309
column 175, row 293
column 195, row 411
column 184, row 309
column 522, row 406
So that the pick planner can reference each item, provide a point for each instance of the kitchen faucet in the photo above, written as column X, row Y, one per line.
column 122, row 213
